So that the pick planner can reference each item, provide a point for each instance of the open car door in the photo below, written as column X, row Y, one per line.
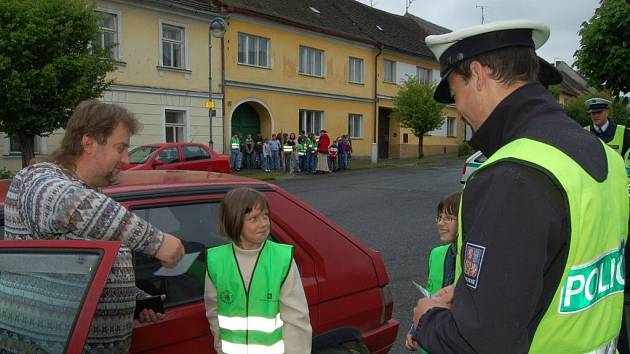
column 49, row 291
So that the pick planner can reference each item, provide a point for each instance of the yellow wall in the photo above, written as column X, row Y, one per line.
column 285, row 43
column 283, row 110
column 141, row 50
column 391, row 89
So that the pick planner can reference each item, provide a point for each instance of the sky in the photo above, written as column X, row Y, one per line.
column 564, row 17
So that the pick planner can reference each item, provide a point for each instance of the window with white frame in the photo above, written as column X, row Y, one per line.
column 13, row 146
column 107, row 37
column 253, row 50
column 356, row 70
column 451, row 126
column 311, row 121
column 174, row 125
column 311, row 61
column 173, row 46
column 423, row 75
column 355, row 125
column 389, row 71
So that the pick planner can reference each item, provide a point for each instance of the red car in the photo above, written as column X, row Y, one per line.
column 345, row 282
column 177, row 156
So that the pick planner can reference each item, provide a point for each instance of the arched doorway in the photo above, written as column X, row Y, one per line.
column 245, row 119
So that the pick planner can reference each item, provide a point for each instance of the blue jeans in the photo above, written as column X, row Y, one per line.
column 265, row 162
column 275, row 158
column 303, row 163
column 234, row 163
column 312, row 162
column 342, row 161
column 287, row 162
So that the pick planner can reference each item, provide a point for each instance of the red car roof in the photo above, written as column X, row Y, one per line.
column 130, row 181
column 173, row 144
column 154, row 180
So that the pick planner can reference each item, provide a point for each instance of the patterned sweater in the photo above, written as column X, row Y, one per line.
column 47, row 202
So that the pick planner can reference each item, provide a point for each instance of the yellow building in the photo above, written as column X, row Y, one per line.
column 333, row 65
column 161, row 51
column 281, row 66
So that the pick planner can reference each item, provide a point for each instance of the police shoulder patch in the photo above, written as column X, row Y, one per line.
column 473, row 260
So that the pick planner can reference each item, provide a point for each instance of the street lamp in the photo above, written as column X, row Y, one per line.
column 216, row 29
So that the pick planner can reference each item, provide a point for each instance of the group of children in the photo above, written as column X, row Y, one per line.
column 283, row 151
column 254, row 297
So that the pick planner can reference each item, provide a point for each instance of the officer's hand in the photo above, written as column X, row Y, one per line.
column 425, row 304
column 446, row 294
column 410, row 344
column 171, row 251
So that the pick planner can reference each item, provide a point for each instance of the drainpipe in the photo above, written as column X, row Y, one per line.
column 374, row 151
column 225, row 142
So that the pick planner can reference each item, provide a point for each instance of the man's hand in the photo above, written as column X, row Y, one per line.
column 443, row 298
column 171, row 251
column 150, row 316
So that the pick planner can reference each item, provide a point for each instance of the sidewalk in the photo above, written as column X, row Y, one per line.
column 355, row 165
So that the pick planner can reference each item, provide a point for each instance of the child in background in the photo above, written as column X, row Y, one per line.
column 332, row 156
column 266, row 156
column 255, row 279
column 442, row 258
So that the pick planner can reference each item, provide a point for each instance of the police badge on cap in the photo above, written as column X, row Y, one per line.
column 451, row 48
column 595, row 105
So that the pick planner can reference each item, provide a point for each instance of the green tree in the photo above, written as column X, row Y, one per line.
column 576, row 109
column 47, row 66
column 604, row 51
column 416, row 109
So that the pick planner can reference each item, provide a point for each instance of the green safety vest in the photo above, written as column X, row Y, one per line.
column 287, row 148
column 236, row 143
column 617, row 141
column 249, row 319
column 310, row 145
column 436, row 268
column 585, row 313
column 301, row 149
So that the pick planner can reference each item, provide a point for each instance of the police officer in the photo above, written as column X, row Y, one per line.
column 542, row 222
column 615, row 135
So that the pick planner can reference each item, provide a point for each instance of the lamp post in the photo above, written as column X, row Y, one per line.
column 216, row 29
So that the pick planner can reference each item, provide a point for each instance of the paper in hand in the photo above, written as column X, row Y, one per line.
column 424, row 291
column 180, row 268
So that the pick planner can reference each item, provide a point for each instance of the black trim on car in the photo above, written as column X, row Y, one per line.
column 182, row 191
column 335, row 337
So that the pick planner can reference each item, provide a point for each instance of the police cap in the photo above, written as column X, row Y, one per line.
column 451, row 48
column 596, row 104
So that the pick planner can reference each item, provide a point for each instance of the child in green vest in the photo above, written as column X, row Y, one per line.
column 442, row 258
column 254, row 297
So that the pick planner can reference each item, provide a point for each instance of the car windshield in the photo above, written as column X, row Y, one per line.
column 141, row 154
column 41, row 296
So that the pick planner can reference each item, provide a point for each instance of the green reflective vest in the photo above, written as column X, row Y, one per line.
column 287, row 148
column 585, row 313
column 236, row 143
column 436, row 268
column 301, row 149
column 249, row 319
column 617, row 141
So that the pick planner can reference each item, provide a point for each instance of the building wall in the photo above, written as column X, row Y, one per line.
column 279, row 112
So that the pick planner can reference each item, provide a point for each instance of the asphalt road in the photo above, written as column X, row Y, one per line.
column 391, row 210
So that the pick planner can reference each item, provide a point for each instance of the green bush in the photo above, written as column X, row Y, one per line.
column 464, row 149
column 5, row 174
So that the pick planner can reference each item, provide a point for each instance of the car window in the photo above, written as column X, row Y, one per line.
column 41, row 295
column 141, row 154
column 168, row 155
column 197, row 226
column 193, row 152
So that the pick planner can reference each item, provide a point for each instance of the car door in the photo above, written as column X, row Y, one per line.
column 195, row 158
column 49, row 291
column 185, row 329
column 167, row 158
